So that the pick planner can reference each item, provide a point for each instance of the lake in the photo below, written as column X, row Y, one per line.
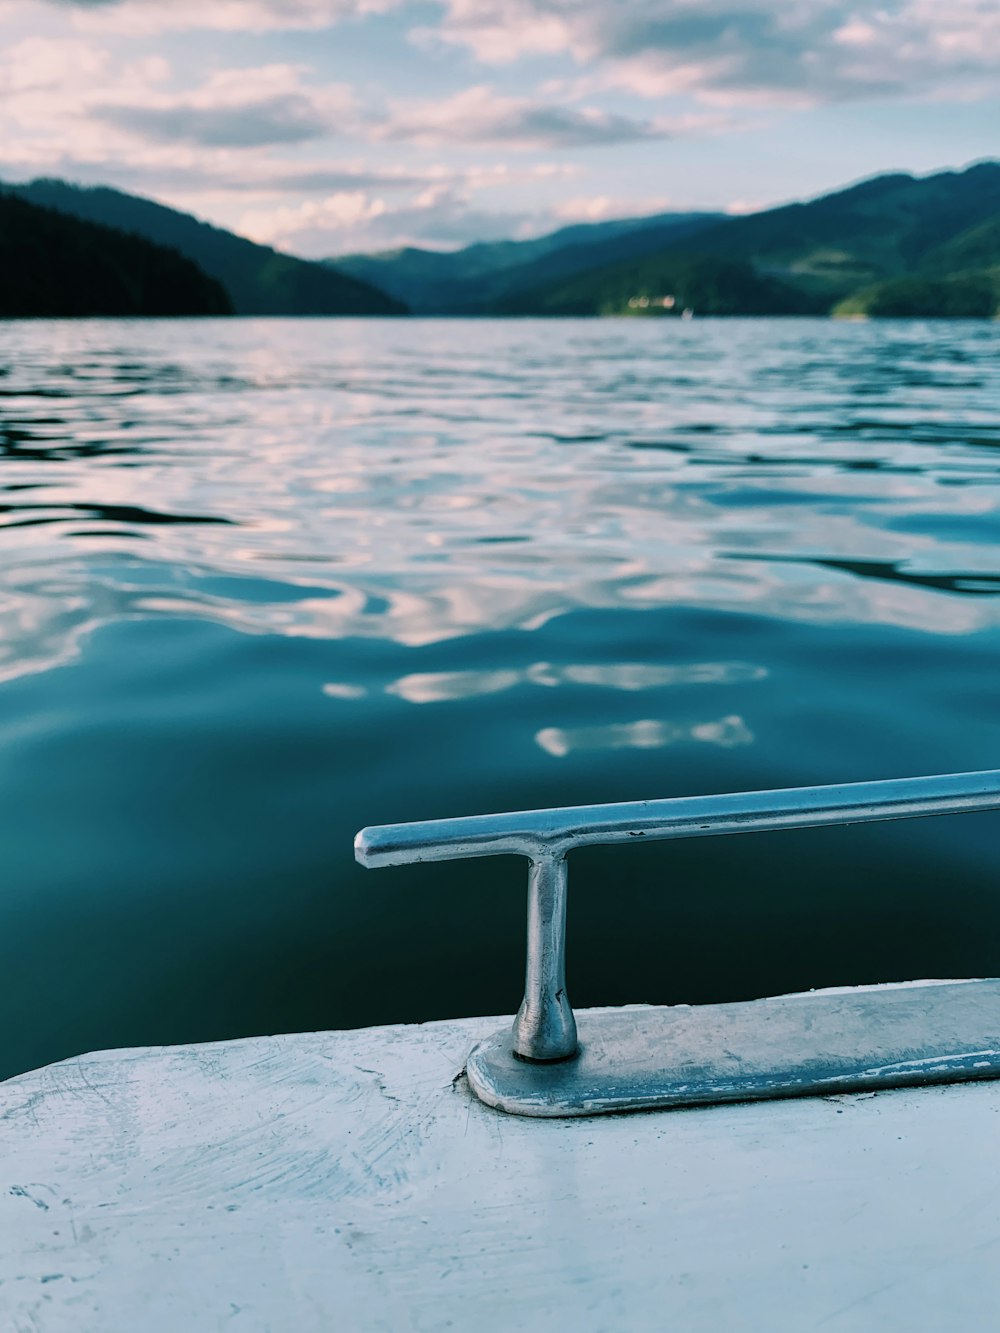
column 263, row 582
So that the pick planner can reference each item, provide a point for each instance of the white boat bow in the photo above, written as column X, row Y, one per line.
column 351, row 1181
column 354, row 1181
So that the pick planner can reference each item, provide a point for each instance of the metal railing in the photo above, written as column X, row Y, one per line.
column 545, row 1028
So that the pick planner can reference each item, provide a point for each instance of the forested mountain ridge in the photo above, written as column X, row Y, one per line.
column 480, row 278
column 960, row 278
column 258, row 280
column 896, row 244
column 57, row 266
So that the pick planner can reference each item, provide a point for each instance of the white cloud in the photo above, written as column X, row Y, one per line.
column 726, row 51
column 46, row 88
column 344, row 211
column 446, row 214
column 740, row 207
column 588, row 208
column 88, row 91
column 148, row 17
column 41, row 65
column 479, row 115
column 598, row 207
column 72, row 107
column 236, row 108
column 441, row 216
column 752, row 52
column 500, row 31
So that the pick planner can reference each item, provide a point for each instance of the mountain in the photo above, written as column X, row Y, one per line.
column 895, row 245
column 973, row 295
column 979, row 247
column 259, row 280
column 480, row 277
column 960, row 278
column 668, row 284
column 818, row 255
column 54, row 265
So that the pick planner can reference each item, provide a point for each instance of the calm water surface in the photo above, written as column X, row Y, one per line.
column 263, row 582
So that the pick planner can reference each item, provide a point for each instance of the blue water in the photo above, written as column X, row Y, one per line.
column 263, row 582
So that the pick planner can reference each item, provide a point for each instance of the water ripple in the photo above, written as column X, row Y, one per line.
column 265, row 581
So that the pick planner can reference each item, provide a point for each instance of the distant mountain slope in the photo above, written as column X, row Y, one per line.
column 824, row 251
column 971, row 295
column 259, row 280
column 876, row 229
column 54, row 265
column 668, row 284
column 958, row 279
column 979, row 247
column 478, row 278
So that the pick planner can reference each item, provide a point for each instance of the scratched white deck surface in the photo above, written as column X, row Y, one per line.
column 340, row 1181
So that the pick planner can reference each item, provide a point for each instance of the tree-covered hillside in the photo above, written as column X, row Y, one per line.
column 959, row 279
column 54, row 265
column 259, row 280
column 897, row 245
column 852, row 252
column 978, row 247
column 669, row 284
column 485, row 277
column 973, row 295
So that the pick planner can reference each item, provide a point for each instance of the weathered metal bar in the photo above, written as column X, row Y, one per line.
column 858, row 1039
column 545, row 1029
column 534, row 832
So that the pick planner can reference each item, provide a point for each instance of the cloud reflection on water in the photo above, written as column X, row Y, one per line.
column 647, row 734
column 416, row 484
column 437, row 687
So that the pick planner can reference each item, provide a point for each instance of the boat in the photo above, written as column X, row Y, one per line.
column 822, row 1160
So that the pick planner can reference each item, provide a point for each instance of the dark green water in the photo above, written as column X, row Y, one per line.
column 264, row 582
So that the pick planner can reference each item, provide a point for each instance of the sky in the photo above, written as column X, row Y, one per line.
column 326, row 127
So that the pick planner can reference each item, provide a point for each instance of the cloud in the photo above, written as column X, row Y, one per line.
column 235, row 108
column 99, row 97
column 68, row 107
column 500, row 31
column 480, row 116
column 274, row 120
column 47, row 67
column 443, row 216
column 599, row 207
column 325, row 177
column 744, row 51
column 47, row 86
column 74, row 108
column 173, row 170
column 345, row 211
column 723, row 51
column 246, row 16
